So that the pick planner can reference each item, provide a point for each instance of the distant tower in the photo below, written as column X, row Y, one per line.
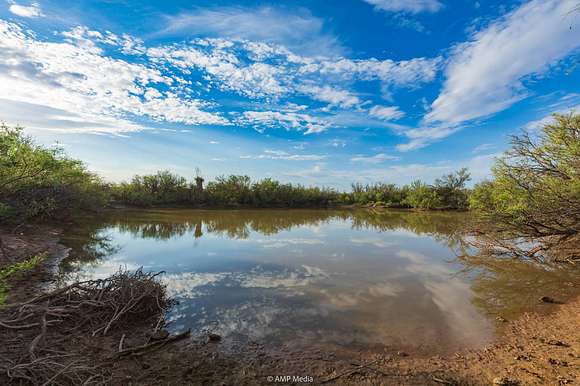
column 198, row 181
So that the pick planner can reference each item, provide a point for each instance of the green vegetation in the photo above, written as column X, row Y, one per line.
column 165, row 188
column 16, row 269
column 448, row 192
column 162, row 188
column 534, row 195
column 42, row 183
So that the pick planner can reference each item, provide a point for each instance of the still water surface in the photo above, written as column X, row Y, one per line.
column 298, row 277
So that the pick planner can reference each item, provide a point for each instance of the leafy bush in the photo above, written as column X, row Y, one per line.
column 231, row 190
column 40, row 182
column 451, row 190
column 535, row 190
column 422, row 196
column 162, row 187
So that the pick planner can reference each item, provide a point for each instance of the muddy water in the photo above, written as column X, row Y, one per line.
column 356, row 279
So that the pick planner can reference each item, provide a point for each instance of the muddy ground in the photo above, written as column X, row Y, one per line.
column 534, row 350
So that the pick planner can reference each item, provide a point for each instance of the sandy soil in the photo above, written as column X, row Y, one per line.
column 534, row 349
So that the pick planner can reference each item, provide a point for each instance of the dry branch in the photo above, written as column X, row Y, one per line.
column 54, row 323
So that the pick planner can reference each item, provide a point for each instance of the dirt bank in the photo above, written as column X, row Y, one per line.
column 534, row 350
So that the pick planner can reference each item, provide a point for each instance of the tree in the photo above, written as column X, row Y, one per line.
column 422, row 196
column 451, row 189
column 42, row 182
column 535, row 192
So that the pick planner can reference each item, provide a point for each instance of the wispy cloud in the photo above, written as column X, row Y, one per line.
column 410, row 6
column 288, row 120
column 31, row 11
column 423, row 136
column 375, row 159
column 76, row 86
column 332, row 96
column 283, row 155
column 386, row 113
column 488, row 73
column 482, row 148
column 537, row 124
column 479, row 167
column 298, row 30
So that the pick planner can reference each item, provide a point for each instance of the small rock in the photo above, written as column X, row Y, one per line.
column 211, row 337
column 501, row 319
column 547, row 299
column 555, row 342
column 402, row 354
column 505, row 381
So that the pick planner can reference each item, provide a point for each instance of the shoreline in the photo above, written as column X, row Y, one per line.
column 114, row 207
column 535, row 349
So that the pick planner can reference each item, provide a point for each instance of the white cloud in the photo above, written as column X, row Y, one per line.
column 300, row 30
column 411, row 6
column 212, row 56
column 337, row 142
column 536, row 125
column 410, row 73
column 42, row 117
column 421, row 137
column 271, row 71
column 31, row 11
column 75, row 83
column 566, row 104
column 479, row 167
column 332, row 96
column 282, row 155
column 287, row 120
column 375, row 159
column 386, row 112
column 94, row 89
column 482, row 148
column 487, row 74
column 374, row 241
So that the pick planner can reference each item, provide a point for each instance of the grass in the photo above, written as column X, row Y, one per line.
column 16, row 269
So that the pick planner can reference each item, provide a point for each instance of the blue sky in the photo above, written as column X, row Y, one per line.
column 315, row 92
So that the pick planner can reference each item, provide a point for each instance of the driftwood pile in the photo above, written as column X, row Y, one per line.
column 47, row 340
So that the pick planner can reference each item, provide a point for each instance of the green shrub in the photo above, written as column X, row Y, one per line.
column 422, row 196
column 535, row 190
column 37, row 182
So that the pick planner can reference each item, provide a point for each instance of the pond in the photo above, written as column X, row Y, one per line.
column 339, row 278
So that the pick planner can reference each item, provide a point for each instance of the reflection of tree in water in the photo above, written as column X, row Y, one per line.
column 89, row 241
column 163, row 225
column 88, row 244
column 444, row 227
column 508, row 287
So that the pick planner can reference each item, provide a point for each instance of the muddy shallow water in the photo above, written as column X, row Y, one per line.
column 357, row 279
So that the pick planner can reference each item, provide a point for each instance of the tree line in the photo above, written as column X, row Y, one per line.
column 166, row 188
